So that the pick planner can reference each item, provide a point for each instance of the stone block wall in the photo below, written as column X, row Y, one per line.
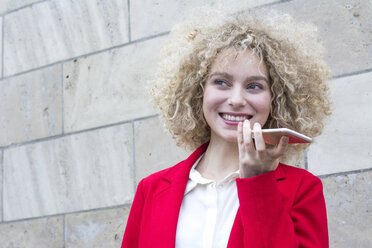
column 78, row 132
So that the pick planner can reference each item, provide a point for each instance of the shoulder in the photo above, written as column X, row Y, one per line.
column 155, row 177
column 161, row 180
column 178, row 173
column 300, row 179
column 297, row 174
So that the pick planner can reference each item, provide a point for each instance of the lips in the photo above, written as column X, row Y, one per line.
column 235, row 117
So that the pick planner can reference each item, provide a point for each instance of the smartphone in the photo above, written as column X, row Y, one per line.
column 272, row 136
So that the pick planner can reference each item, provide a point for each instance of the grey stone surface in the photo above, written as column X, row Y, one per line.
column 300, row 163
column 31, row 106
column 1, row 185
column 349, row 208
column 344, row 28
column 9, row 5
column 1, row 45
column 109, row 87
column 346, row 143
column 79, row 172
column 104, row 228
column 41, row 233
column 150, row 17
column 56, row 30
column 155, row 149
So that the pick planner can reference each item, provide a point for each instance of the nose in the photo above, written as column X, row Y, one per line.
column 236, row 98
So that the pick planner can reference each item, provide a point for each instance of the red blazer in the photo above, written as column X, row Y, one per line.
column 283, row 208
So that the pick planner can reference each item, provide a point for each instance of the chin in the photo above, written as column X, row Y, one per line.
column 228, row 138
column 234, row 141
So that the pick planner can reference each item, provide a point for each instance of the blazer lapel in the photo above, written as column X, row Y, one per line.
column 168, row 200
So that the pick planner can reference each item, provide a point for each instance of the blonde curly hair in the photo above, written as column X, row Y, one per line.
column 290, row 50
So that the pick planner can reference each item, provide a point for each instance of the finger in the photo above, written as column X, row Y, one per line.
column 281, row 148
column 258, row 138
column 241, row 147
column 247, row 135
column 240, row 134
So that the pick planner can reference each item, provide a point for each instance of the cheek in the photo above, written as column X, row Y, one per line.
column 211, row 99
column 263, row 103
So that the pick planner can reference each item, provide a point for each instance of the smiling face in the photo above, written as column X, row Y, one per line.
column 237, row 88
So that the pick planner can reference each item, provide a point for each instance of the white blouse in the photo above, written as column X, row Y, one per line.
column 207, row 212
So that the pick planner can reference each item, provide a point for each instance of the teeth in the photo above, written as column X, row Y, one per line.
column 234, row 117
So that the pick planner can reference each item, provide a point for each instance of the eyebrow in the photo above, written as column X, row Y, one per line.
column 230, row 77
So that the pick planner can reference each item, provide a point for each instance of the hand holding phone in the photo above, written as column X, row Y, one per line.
column 272, row 136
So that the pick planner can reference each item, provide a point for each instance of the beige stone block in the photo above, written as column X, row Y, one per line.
column 349, row 208
column 344, row 28
column 346, row 143
column 154, row 17
column 9, row 5
column 104, row 228
column 155, row 149
column 56, row 30
column 110, row 87
column 78, row 172
column 31, row 106
column 41, row 233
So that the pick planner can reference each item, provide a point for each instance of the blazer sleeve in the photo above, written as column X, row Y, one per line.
column 132, row 230
column 268, row 222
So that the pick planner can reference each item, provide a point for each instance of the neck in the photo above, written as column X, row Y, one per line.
column 220, row 159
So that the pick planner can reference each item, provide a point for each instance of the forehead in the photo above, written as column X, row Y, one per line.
column 232, row 60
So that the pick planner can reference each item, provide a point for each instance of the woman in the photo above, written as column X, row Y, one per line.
column 221, row 77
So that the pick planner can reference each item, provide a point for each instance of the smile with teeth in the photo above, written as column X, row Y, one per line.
column 235, row 117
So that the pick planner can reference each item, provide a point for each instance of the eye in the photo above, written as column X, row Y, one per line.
column 254, row 86
column 221, row 83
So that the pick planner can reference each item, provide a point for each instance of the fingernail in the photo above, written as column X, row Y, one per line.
column 286, row 139
column 256, row 125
